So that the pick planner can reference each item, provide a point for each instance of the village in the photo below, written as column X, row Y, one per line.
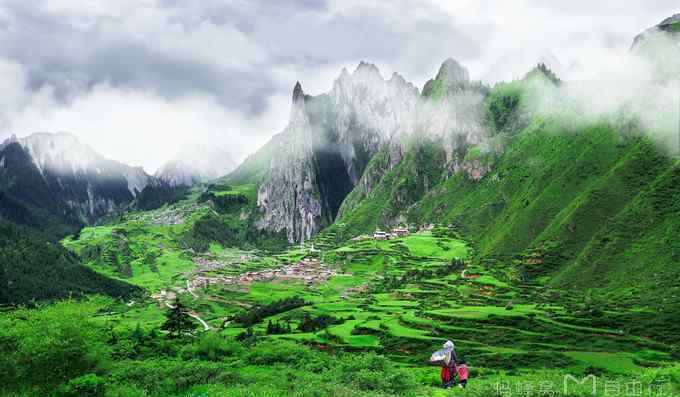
column 396, row 232
column 308, row 270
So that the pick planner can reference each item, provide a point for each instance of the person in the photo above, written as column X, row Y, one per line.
column 448, row 372
column 462, row 373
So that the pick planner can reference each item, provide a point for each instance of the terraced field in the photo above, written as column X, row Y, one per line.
column 402, row 298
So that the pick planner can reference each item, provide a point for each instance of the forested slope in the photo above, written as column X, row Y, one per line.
column 33, row 269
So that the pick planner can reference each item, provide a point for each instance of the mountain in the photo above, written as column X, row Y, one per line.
column 660, row 45
column 195, row 163
column 323, row 151
column 514, row 65
column 54, row 179
column 667, row 29
column 590, row 206
column 305, row 173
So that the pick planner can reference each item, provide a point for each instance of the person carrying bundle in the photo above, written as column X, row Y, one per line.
column 446, row 357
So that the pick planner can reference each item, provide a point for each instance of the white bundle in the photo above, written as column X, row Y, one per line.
column 439, row 355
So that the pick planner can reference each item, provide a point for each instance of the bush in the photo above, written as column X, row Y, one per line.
column 125, row 391
column 280, row 351
column 54, row 344
column 212, row 347
column 166, row 376
column 89, row 385
column 371, row 372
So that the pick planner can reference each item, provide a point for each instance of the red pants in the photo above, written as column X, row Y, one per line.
column 446, row 374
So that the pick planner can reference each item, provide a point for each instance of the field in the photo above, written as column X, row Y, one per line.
column 400, row 298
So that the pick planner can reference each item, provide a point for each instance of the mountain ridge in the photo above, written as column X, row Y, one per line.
column 68, row 179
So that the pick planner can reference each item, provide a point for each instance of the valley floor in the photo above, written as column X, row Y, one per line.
column 284, row 317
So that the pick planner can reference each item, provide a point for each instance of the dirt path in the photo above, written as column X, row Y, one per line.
column 194, row 315
column 206, row 327
column 191, row 291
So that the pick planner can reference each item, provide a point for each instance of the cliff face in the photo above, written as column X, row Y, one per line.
column 288, row 196
column 330, row 147
column 443, row 134
column 323, row 152
column 368, row 111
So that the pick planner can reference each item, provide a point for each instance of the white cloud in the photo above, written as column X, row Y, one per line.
column 144, row 129
column 136, row 78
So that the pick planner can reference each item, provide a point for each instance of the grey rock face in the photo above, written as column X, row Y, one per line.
column 322, row 154
column 329, row 141
column 367, row 111
column 288, row 197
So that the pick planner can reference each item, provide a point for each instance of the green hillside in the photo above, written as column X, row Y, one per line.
column 34, row 269
column 590, row 208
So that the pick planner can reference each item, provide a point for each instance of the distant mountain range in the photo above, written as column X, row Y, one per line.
column 55, row 179
column 196, row 163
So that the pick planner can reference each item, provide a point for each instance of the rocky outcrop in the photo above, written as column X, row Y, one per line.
column 289, row 197
column 327, row 145
column 368, row 111
column 324, row 152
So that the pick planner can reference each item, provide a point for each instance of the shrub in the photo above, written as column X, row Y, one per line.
column 125, row 391
column 212, row 347
column 89, row 385
column 166, row 376
column 279, row 351
column 371, row 372
column 55, row 343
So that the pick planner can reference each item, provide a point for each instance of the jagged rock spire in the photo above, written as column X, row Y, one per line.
column 297, row 110
column 298, row 94
column 453, row 72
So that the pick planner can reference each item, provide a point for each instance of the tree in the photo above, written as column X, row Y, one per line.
column 178, row 320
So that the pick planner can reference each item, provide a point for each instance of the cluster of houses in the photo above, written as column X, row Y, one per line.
column 395, row 233
column 309, row 270
column 384, row 235
column 172, row 215
column 206, row 265
column 354, row 291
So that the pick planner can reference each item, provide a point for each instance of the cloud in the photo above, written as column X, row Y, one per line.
column 175, row 69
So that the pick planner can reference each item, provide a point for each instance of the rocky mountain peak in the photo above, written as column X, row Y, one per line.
column 298, row 94
column 367, row 68
column 298, row 114
column 61, row 151
column 9, row 141
column 670, row 23
column 666, row 28
column 660, row 46
column 196, row 163
column 451, row 72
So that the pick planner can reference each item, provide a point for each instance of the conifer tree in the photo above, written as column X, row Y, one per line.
column 178, row 320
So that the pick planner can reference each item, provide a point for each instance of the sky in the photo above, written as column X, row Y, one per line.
column 138, row 80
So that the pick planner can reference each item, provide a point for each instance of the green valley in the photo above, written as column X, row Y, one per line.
column 526, row 231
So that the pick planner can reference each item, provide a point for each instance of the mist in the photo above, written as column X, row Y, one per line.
column 139, row 81
column 635, row 89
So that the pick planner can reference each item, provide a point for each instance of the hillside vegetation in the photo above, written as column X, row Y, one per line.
column 34, row 269
column 590, row 208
